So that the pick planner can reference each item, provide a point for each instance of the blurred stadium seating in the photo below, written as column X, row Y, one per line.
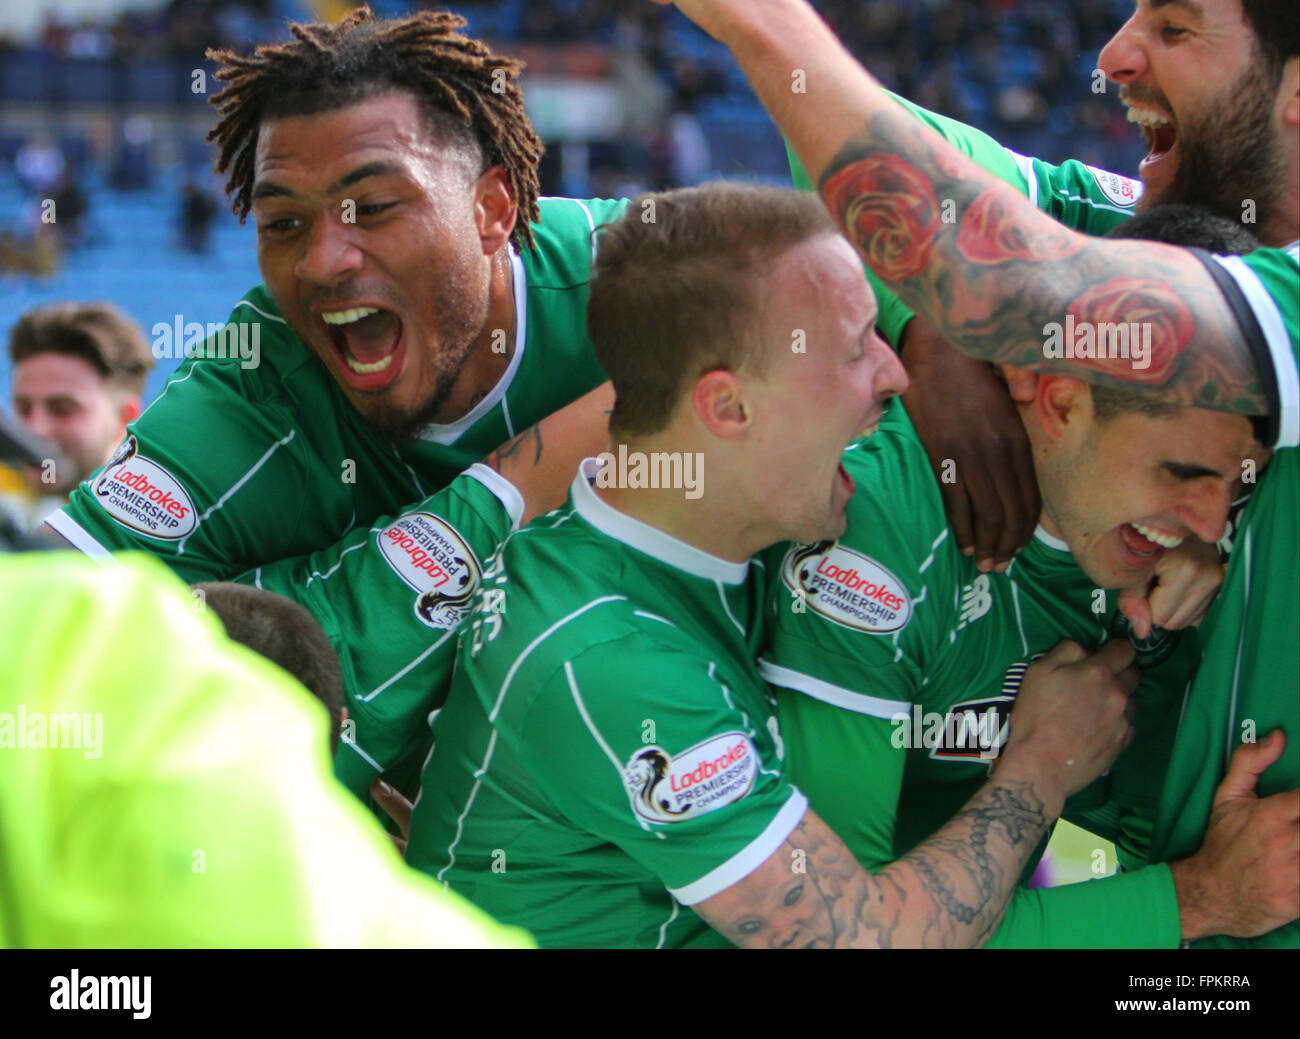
column 116, row 92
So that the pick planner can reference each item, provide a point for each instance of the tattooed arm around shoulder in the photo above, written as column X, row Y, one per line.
column 1001, row 280
column 542, row 460
column 1072, row 719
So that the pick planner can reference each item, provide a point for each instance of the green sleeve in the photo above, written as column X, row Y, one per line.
column 582, row 741
column 193, row 805
column 1137, row 910
column 391, row 599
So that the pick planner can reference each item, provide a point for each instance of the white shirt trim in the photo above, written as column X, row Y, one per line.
column 77, row 536
column 749, row 858
column 1279, row 346
column 506, row 492
column 645, row 538
column 836, row 696
column 1051, row 540
column 1026, row 165
column 450, row 432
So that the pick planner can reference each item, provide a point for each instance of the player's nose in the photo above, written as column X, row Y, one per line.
column 330, row 253
column 891, row 377
column 1123, row 59
column 1204, row 509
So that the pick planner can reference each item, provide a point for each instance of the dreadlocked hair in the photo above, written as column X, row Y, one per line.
column 467, row 93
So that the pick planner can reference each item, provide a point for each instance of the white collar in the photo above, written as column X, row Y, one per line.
column 645, row 538
column 450, row 432
column 1051, row 540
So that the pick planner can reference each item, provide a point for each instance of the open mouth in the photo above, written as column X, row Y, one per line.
column 1159, row 133
column 368, row 343
column 846, row 480
column 1147, row 544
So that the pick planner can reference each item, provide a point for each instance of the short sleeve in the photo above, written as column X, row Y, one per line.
column 646, row 747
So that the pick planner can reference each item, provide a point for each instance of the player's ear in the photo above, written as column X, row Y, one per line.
column 720, row 404
column 495, row 209
column 1060, row 401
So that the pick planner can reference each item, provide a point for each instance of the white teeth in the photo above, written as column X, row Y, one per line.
column 368, row 369
column 1146, row 117
column 1163, row 540
column 346, row 317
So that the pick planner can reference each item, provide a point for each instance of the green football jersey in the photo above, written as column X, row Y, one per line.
column 391, row 598
column 609, row 755
column 1249, row 679
column 899, row 664
column 164, row 787
column 1080, row 196
column 256, row 457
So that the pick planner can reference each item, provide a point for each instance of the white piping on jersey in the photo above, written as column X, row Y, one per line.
column 595, row 734
column 352, row 522
column 1122, row 210
column 450, row 432
column 1247, row 552
column 80, row 538
column 653, row 617
column 257, row 578
column 1026, row 166
column 168, row 386
column 414, row 478
column 1020, row 624
column 591, row 221
column 514, row 668
column 726, row 608
column 255, row 307
column 363, row 755
column 749, row 858
column 663, row 928
column 479, row 773
column 1279, row 346
column 330, row 572
column 505, row 414
column 934, row 547
column 744, row 714
column 221, row 502
column 647, row 539
column 406, row 670
column 835, row 695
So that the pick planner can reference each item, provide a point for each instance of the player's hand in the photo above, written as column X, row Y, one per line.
column 1179, row 590
column 1245, row 880
column 398, row 808
column 1072, row 718
column 977, row 446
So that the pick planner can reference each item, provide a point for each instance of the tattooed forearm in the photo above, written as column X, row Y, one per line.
column 950, row 891
column 1008, row 284
column 515, row 445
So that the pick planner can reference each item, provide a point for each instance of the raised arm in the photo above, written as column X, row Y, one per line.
column 1000, row 275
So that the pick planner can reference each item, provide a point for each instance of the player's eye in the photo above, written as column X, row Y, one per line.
column 1173, row 32
column 279, row 225
column 375, row 207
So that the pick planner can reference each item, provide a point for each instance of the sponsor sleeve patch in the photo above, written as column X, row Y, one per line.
column 846, row 587
column 430, row 556
column 669, row 789
column 1122, row 191
column 144, row 497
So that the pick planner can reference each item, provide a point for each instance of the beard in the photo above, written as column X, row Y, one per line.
column 1230, row 155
